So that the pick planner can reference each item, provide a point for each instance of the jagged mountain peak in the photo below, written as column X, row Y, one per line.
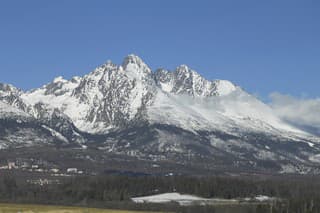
column 133, row 63
column 132, row 58
column 76, row 79
column 113, row 95
column 109, row 96
column 224, row 87
column 11, row 95
column 184, row 80
column 132, row 67
column 8, row 88
column 59, row 79
column 185, row 69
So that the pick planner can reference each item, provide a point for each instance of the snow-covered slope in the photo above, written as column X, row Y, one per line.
column 185, row 81
column 237, row 111
column 114, row 96
column 8, row 111
column 20, row 129
column 110, row 96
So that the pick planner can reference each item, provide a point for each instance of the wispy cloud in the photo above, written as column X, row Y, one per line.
column 301, row 112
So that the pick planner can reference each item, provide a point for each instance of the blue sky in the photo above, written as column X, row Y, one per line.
column 263, row 46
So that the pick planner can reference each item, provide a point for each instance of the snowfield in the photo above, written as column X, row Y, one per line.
column 168, row 197
column 7, row 111
column 184, row 199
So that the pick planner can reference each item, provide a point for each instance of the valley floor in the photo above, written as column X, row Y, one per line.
column 26, row 208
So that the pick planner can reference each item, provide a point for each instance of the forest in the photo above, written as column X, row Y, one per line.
column 297, row 194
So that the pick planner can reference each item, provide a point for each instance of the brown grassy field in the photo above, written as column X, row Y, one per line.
column 26, row 208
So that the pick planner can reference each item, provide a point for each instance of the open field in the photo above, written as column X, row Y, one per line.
column 26, row 208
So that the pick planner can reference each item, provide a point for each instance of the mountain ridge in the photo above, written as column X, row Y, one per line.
column 160, row 114
column 135, row 71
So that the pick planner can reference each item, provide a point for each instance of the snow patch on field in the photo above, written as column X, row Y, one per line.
column 182, row 199
column 263, row 198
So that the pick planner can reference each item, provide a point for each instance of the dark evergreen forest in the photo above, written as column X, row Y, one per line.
column 298, row 194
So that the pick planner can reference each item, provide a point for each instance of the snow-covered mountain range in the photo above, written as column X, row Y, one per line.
column 157, row 115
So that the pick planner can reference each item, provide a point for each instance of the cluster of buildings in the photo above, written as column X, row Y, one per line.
column 37, row 166
column 43, row 182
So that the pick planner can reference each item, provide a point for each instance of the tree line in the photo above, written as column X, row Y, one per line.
column 298, row 195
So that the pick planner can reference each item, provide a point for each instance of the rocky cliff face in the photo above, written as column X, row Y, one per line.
column 188, row 82
column 113, row 96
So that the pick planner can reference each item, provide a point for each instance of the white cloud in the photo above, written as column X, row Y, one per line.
column 301, row 112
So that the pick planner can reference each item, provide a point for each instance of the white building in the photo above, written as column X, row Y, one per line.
column 72, row 170
column 12, row 165
column 54, row 170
